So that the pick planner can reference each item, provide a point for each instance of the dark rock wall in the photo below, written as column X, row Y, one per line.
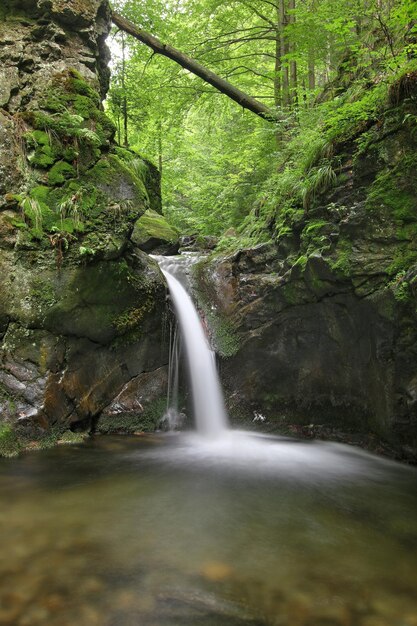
column 325, row 318
column 80, row 307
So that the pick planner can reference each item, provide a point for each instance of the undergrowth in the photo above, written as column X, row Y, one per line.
column 307, row 164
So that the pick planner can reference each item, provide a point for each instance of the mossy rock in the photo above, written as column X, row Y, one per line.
column 100, row 301
column 118, row 182
column 61, row 172
column 147, row 172
column 152, row 230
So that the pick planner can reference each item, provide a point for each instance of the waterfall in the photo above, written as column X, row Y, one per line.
column 209, row 410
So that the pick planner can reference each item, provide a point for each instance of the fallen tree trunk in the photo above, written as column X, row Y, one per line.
column 242, row 98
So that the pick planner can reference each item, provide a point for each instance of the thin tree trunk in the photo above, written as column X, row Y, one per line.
column 285, row 77
column 124, row 100
column 311, row 71
column 119, row 134
column 293, row 62
column 242, row 98
column 277, row 75
column 160, row 147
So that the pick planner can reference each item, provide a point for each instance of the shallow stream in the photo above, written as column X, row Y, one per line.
column 170, row 530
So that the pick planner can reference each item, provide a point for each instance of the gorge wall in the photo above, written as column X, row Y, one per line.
column 80, row 305
column 320, row 326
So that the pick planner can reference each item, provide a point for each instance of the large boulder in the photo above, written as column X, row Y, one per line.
column 152, row 233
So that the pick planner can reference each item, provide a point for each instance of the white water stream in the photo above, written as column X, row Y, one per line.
column 209, row 410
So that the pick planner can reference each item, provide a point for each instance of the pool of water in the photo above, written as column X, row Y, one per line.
column 171, row 530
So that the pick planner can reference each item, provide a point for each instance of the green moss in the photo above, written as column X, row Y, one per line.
column 44, row 292
column 107, row 174
column 153, row 225
column 404, row 258
column 61, row 172
column 342, row 263
column 58, row 435
column 294, row 292
column 227, row 340
column 301, row 262
column 128, row 423
column 10, row 445
column 395, row 189
column 70, row 438
column 133, row 317
column 408, row 232
column 95, row 285
column 104, row 127
column 124, row 154
column 83, row 106
column 225, row 337
column 40, row 152
column 75, row 83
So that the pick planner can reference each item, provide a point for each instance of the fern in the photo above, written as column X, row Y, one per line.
column 88, row 135
column 319, row 181
column 139, row 168
column 32, row 209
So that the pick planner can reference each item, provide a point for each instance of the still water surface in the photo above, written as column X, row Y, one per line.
column 168, row 530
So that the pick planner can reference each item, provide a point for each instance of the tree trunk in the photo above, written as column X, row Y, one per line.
column 311, row 71
column 160, row 161
column 285, row 77
column 293, row 62
column 246, row 101
column 124, row 100
column 277, row 75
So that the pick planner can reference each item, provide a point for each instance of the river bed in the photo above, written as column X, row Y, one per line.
column 171, row 530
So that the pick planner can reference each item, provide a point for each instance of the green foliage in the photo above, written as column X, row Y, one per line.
column 401, row 287
column 404, row 258
column 342, row 264
column 319, row 181
column 223, row 168
column 128, row 423
column 314, row 236
column 395, row 189
column 10, row 445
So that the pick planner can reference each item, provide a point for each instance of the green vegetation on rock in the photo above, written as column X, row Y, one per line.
column 152, row 225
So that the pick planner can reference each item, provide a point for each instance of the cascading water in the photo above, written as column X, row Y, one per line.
column 172, row 415
column 209, row 410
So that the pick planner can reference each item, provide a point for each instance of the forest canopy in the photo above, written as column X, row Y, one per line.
column 323, row 66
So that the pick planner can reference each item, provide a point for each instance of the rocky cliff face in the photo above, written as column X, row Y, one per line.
column 323, row 322
column 80, row 306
